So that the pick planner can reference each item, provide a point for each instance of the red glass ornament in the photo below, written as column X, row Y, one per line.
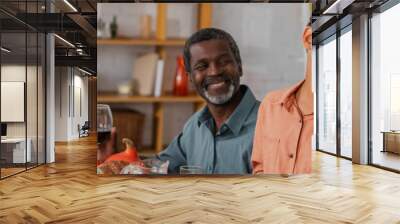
column 181, row 79
column 128, row 155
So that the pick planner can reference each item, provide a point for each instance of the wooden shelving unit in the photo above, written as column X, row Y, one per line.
column 141, row 42
column 158, row 104
column 160, row 42
column 113, row 98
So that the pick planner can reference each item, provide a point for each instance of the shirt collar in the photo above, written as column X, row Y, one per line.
column 288, row 97
column 239, row 115
column 204, row 116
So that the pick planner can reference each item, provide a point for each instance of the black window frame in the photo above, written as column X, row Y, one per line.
column 333, row 37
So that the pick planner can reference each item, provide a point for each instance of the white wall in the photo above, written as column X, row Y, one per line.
column 68, row 82
column 17, row 73
column 14, row 73
column 270, row 41
column 79, row 117
column 268, row 35
column 33, row 126
column 61, row 103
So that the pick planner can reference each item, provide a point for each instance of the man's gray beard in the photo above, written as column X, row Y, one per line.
column 221, row 99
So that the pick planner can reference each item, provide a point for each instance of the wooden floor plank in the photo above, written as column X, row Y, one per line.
column 69, row 191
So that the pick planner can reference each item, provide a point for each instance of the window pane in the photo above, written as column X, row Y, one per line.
column 385, row 86
column 14, row 152
column 327, row 97
column 346, row 94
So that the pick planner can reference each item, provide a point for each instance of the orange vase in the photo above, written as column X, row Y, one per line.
column 181, row 78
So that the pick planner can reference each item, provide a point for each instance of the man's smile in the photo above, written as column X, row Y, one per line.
column 216, row 83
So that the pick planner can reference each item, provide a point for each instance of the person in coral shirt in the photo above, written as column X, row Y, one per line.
column 282, row 138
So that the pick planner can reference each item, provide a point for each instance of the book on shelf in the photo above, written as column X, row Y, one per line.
column 159, row 78
column 144, row 72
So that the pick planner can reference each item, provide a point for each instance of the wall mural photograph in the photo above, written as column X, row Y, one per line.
column 209, row 94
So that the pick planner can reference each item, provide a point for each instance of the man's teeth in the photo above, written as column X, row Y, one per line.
column 217, row 83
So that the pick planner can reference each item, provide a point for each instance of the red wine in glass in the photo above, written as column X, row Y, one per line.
column 103, row 136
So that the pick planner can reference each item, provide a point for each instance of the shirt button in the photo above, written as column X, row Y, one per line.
column 291, row 155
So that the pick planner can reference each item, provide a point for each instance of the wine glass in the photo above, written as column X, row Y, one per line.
column 104, row 123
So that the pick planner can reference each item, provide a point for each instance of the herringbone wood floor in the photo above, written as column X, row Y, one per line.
column 69, row 191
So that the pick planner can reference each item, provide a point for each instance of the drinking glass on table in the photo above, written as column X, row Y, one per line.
column 188, row 170
column 104, row 135
column 104, row 123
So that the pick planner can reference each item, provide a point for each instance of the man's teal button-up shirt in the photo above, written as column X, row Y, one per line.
column 228, row 151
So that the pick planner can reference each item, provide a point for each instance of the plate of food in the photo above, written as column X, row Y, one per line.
column 128, row 162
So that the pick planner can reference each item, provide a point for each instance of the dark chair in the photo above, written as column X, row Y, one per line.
column 84, row 130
